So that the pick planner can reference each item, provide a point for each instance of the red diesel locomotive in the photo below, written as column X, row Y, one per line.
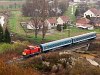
column 31, row 50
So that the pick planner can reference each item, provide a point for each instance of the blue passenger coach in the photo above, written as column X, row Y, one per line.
column 84, row 37
column 55, row 44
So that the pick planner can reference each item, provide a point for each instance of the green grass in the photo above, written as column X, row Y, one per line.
column 14, row 22
column 60, row 35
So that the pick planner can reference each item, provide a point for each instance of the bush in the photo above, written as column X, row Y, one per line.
column 17, row 47
column 81, row 69
column 65, row 26
column 59, row 27
column 6, row 69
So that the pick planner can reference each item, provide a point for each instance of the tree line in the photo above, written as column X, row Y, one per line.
column 4, row 35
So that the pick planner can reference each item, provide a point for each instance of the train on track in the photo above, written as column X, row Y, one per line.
column 31, row 50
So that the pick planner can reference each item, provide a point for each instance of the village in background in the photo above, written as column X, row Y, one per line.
column 34, row 22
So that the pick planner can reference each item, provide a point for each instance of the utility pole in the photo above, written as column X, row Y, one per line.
column 68, row 28
column 62, row 28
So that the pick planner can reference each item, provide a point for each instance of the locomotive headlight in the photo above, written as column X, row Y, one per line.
column 24, row 53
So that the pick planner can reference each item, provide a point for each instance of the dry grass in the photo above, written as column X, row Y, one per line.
column 13, row 69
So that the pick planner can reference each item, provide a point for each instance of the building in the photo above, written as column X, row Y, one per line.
column 63, row 20
column 78, row 1
column 51, row 22
column 86, row 1
column 93, row 12
column 83, row 23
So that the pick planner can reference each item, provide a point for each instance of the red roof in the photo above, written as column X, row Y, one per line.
column 52, row 20
column 65, row 18
column 95, row 11
column 83, row 21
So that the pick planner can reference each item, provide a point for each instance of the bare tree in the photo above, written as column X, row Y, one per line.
column 37, row 9
column 44, row 16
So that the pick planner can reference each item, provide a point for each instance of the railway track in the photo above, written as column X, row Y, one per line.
column 98, row 36
column 75, row 47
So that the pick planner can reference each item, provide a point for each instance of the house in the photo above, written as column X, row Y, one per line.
column 51, row 22
column 83, row 23
column 78, row 1
column 63, row 20
column 30, row 26
column 91, row 1
column 86, row 1
column 93, row 12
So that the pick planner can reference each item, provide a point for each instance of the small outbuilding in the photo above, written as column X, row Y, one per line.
column 84, row 23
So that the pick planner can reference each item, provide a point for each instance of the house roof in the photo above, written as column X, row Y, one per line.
column 52, row 20
column 95, row 11
column 65, row 18
column 83, row 21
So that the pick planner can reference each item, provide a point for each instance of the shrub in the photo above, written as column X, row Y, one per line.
column 81, row 69
column 7, row 38
column 65, row 26
column 59, row 27
column 6, row 69
column 17, row 47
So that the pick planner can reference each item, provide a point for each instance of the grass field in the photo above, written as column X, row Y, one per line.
column 14, row 22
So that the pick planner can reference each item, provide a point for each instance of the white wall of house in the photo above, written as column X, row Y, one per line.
column 60, row 21
column 30, row 27
column 89, row 13
column 50, row 26
column 2, row 20
column 76, row 0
